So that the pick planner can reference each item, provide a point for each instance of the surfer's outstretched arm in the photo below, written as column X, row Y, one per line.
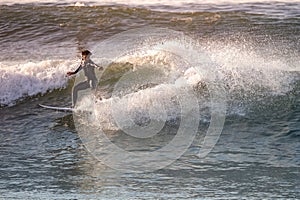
column 75, row 72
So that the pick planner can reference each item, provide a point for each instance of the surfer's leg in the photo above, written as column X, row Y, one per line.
column 80, row 86
column 93, row 84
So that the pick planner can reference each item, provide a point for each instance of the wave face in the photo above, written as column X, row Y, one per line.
column 254, row 44
column 144, row 65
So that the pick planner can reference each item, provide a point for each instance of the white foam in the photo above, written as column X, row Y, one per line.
column 79, row 4
column 19, row 80
column 161, row 103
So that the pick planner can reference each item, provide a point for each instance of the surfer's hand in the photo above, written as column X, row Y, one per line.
column 70, row 73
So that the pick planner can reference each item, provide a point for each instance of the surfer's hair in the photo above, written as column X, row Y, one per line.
column 86, row 52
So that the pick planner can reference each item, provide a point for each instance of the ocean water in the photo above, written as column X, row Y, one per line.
column 199, row 100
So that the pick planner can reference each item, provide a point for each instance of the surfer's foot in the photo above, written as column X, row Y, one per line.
column 98, row 97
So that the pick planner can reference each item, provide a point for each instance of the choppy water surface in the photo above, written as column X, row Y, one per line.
column 248, row 50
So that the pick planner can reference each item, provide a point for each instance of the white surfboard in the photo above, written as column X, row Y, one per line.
column 57, row 108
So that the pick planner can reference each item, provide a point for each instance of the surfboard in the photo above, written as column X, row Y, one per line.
column 57, row 108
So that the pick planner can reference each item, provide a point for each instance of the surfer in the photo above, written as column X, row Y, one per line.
column 88, row 67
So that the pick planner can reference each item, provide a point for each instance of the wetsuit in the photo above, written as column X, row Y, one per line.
column 91, row 81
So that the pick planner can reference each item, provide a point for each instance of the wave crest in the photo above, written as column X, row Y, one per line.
column 20, row 80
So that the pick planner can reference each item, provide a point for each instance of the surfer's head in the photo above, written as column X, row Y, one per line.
column 85, row 54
